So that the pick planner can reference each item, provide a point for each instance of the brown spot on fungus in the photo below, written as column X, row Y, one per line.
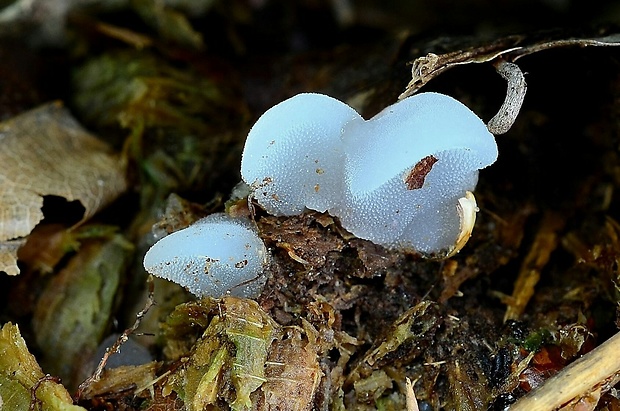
column 241, row 264
column 415, row 178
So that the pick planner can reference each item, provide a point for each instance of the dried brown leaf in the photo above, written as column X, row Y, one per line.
column 133, row 378
column 46, row 152
column 8, row 255
column 292, row 372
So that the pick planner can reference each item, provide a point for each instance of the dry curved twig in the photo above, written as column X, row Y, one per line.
column 515, row 94
column 575, row 380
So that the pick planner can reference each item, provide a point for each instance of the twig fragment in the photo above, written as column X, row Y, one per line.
column 515, row 94
column 412, row 402
column 426, row 68
column 150, row 301
column 574, row 380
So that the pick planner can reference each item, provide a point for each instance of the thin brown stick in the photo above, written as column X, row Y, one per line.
column 35, row 402
column 150, row 301
column 426, row 68
column 575, row 380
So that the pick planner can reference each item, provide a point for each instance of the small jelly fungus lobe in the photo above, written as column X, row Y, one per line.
column 217, row 255
column 297, row 141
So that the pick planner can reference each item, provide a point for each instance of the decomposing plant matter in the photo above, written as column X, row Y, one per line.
column 340, row 190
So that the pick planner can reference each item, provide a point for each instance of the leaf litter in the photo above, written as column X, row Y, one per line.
column 45, row 152
column 344, row 324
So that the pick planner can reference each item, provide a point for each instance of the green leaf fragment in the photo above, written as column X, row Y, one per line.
column 170, row 24
column 21, row 378
column 75, row 309
column 372, row 387
column 252, row 333
column 232, row 349
column 206, row 392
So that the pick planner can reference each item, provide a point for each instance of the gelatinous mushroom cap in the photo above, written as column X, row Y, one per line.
column 214, row 256
column 293, row 154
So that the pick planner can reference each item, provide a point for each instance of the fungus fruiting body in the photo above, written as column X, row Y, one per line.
column 293, row 155
column 398, row 179
column 216, row 255
column 436, row 139
column 402, row 179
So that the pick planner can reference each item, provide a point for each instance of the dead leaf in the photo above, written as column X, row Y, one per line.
column 292, row 374
column 123, row 378
column 8, row 255
column 45, row 152
column 544, row 244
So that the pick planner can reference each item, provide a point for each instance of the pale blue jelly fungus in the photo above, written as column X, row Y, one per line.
column 392, row 202
column 293, row 155
column 395, row 179
column 215, row 256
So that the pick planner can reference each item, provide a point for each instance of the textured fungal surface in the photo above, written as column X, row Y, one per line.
column 215, row 256
column 395, row 179
column 293, row 154
column 380, row 206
